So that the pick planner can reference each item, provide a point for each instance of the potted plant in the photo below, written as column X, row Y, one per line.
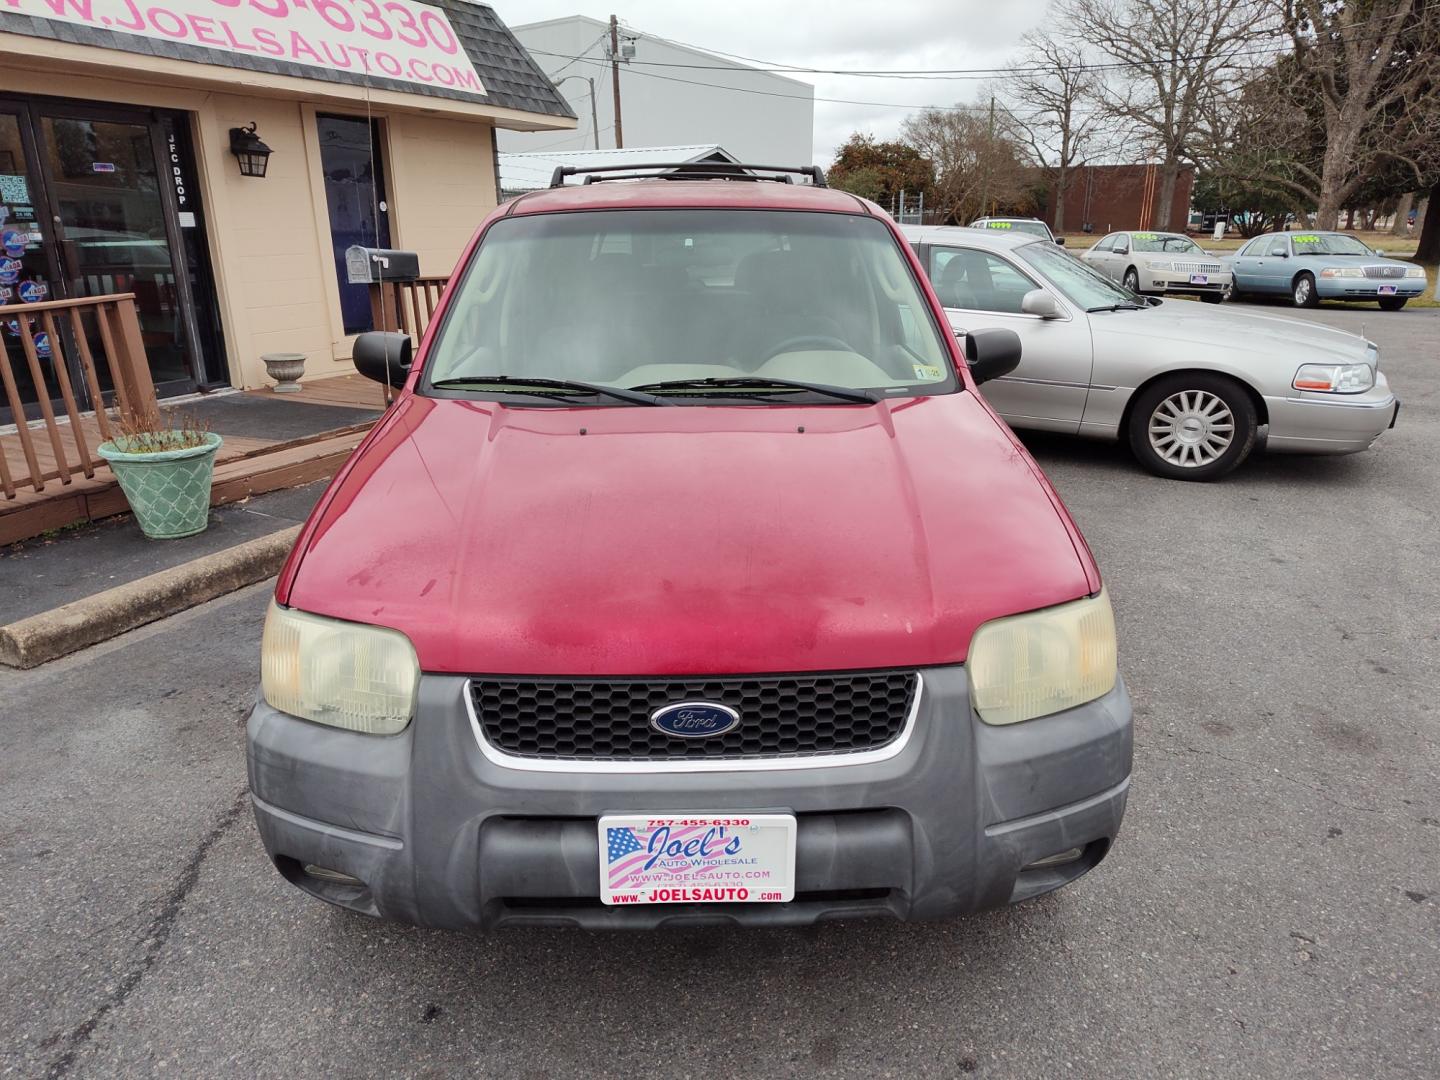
column 165, row 465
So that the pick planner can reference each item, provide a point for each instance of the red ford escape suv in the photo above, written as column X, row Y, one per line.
column 688, row 580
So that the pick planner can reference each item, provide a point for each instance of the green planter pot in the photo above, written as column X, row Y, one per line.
column 169, row 491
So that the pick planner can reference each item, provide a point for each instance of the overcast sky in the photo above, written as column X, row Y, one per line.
column 890, row 34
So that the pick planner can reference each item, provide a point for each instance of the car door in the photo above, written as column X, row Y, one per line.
column 1272, row 269
column 1245, row 265
column 984, row 289
column 1099, row 255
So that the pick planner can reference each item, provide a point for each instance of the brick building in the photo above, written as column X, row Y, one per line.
column 1114, row 197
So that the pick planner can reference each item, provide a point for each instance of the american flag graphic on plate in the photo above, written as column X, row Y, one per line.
column 726, row 858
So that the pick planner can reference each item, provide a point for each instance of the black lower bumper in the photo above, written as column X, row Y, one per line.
column 439, row 833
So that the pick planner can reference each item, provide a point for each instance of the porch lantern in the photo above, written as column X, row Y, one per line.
column 252, row 154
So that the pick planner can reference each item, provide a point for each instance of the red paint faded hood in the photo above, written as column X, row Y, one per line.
column 687, row 540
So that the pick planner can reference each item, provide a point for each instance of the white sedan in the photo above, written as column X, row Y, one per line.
column 1159, row 263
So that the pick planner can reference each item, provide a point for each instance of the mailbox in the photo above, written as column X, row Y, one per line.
column 366, row 265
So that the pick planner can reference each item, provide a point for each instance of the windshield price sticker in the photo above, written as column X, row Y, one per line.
column 395, row 39
column 1146, row 236
column 697, row 859
column 1000, row 225
column 1307, row 239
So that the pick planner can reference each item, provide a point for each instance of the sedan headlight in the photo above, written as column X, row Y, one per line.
column 1161, row 264
column 1335, row 378
column 1342, row 271
column 1024, row 666
column 348, row 675
column 1415, row 271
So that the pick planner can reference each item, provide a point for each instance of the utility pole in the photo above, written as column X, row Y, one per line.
column 615, row 78
column 989, row 154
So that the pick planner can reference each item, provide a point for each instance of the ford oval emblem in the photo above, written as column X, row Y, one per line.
column 694, row 719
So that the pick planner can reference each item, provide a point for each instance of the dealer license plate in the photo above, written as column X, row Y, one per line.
column 1199, row 279
column 1387, row 290
column 733, row 858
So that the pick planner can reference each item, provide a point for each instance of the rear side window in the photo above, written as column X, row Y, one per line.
column 635, row 297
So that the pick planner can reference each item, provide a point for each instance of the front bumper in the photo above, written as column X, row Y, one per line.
column 1180, row 284
column 440, row 834
column 1305, row 423
column 1368, row 288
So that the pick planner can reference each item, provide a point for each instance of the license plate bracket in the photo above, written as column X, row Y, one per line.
column 1199, row 279
column 727, row 857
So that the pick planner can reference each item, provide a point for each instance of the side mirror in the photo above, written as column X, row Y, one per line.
column 991, row 353
column 383, row 355
column 1041, row 303
column 1060, row 240
column 1121, row 250
column 1379, row 251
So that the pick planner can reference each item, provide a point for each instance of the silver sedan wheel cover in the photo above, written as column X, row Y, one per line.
column 1302, row 290
column 1191, row 429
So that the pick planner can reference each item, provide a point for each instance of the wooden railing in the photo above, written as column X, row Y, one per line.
column 42, row 453
column 406, row 305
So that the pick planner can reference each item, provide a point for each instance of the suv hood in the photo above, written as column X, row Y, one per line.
column 1221, row 330
column 687, row 540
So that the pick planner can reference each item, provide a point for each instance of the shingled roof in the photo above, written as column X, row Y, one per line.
column 511, row 76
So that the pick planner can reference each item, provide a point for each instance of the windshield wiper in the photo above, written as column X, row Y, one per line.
column 844, row 393
column 516, row 384
column 1126, row 305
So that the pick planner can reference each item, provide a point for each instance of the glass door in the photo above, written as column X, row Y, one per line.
column 114, row 231
column 95, row 199
column 29, row 261
column 355, row 192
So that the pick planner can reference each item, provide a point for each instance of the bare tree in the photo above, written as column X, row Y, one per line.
column 1172, row 57
column 1376, row 67
column 1048, row 92
column 977, row 166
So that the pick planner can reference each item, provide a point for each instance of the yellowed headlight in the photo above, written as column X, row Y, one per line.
column 347, row 675
column 1042, row 662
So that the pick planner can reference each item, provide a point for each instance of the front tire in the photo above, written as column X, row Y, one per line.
column 1392, row 303
column 1303, row 292
column 1192, row 426
column 1132, row 280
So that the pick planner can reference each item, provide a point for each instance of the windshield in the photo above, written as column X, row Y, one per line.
column 1164, row 242
column 1328, row 244
column 1081, row 285
column 645, row 298
column 1035, row 228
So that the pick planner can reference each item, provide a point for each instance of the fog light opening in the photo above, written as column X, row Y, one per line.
column 1058, row 859
column 335, row 877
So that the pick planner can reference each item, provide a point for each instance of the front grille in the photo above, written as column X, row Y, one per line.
column 1198, row 267
column 782, row 716
column 1384, row 271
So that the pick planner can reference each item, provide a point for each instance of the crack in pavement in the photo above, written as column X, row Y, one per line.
column 154, row 939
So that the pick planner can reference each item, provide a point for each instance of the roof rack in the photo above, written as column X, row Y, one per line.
column 688, row 170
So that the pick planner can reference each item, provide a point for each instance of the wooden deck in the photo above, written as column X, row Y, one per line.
column 243, row 467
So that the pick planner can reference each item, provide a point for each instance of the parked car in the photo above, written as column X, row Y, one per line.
column 1190, row 389
column 1033, row 226
column 1157, row 263
column 667, row 598
column 1313, row 266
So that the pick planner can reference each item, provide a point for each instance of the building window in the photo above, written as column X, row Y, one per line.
column 355, row 193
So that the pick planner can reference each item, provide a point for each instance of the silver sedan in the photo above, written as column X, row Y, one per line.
column 1191, row 388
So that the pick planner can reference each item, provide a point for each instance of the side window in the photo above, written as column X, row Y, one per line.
column 977, row 281
column 1279, row 246
column 1254, row 247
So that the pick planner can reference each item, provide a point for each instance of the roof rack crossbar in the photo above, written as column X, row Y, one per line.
column 688, row 170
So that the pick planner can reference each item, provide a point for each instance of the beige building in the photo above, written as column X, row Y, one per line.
column 123, row 151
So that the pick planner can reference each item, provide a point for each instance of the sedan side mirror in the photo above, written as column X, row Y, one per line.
column 1379, row 251
column 1121, row 250
column 1060, row 240
column 1041, row 303
column 383, row 355
column 991, row 353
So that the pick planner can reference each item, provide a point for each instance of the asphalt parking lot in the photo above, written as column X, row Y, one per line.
column 1272, row 908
